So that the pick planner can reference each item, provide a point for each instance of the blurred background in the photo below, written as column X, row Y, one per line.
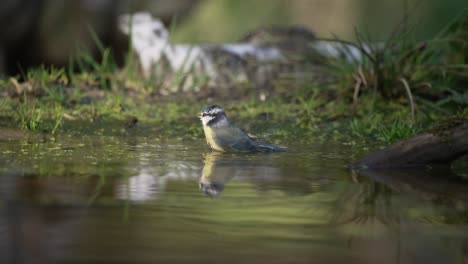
column 325, row 17
column 34, row 32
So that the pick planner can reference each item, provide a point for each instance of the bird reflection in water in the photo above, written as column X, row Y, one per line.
column 220, row 168
column 215, row 173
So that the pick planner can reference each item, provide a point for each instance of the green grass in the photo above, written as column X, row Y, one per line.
column 374, row 127
column 396, row 131
column 428, row 78
column 29, row 116
column 402, row 68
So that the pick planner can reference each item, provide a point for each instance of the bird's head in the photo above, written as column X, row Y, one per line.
column 213, row 115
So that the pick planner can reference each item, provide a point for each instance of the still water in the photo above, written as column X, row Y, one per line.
column 103, row 199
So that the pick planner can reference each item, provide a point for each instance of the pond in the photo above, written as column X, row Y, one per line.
column 139, row 199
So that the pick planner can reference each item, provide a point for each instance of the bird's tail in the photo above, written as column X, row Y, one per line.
column 270, row 147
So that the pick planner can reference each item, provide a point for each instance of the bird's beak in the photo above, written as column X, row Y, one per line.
column 201, row 115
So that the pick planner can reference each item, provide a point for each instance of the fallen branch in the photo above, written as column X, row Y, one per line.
column 441, row 146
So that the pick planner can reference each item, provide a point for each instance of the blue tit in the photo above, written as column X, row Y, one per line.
column 221, row 135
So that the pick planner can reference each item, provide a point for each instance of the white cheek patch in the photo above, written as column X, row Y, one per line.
column 206, row 119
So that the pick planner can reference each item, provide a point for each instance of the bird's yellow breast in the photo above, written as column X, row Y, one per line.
column 211, row 140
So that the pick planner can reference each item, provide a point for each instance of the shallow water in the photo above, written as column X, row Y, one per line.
column 102, row 199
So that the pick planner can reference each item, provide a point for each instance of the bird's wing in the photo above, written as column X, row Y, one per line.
column 234, row 139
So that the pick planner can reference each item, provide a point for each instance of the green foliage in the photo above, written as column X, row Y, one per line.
column 102, row 70
column 446, row 123
column 401, row 67
column 30, row 118
column 384, row 129
column 396, row 131
column 57, row 119
column 427, row 76
column 363, row 127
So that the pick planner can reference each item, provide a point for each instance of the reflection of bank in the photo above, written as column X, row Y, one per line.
column 385, row 195
column 378, row 190
column 220, row 168
column 435, row 184
column 405, row 216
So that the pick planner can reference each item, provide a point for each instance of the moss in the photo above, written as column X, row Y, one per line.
column 445, row 124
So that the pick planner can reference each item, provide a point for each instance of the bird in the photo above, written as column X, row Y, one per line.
column 222, row 135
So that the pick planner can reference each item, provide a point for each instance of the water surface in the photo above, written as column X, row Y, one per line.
column 104, row 199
